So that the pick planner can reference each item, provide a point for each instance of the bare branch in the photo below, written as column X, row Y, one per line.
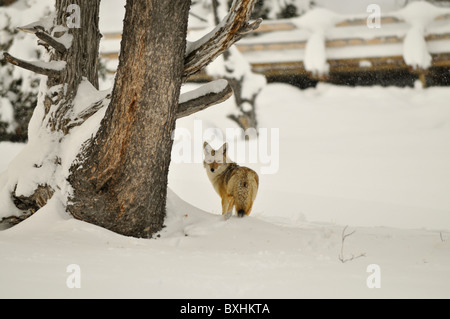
column 232, row 28
column 204, row 97
column 341, row 255
column 47, row 38
column 31, row 28
column 51, row 69
column 197, row 16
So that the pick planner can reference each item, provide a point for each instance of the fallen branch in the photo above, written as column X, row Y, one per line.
column 207, row 95
column 341, row 255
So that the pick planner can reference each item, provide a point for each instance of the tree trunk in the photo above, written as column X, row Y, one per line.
column 120, row 182
column 119, row 178
column 82, row 58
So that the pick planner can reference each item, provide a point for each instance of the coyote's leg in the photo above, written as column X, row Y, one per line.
column 227, row 206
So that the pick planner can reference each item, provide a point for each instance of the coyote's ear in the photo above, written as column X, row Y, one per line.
column 207, row 148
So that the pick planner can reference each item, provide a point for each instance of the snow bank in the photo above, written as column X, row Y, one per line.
column 199, row 255
column 357, row 156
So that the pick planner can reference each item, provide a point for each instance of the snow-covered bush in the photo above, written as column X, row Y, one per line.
column 18, row 87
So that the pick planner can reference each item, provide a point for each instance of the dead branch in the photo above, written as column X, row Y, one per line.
column 232, row 28
column 202, row 102
column 341, row 255
column 197, row 16
column 51, row 72
column 51, row 41
column 31, row 28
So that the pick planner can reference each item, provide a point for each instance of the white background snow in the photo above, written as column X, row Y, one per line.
column 375, row 159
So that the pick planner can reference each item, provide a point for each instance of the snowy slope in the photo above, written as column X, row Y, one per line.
column 201, row 256
column 376, row 159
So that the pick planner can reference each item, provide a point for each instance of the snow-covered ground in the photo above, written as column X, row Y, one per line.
column 366, row 156
column 375, row 159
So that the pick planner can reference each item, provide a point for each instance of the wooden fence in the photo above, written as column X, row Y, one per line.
column 277, row 47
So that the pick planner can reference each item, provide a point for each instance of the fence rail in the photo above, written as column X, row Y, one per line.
column 277, row 47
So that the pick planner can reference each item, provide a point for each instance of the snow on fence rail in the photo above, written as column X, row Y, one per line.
column 321, row 42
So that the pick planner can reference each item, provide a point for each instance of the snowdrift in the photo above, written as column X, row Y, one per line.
column 376, row 159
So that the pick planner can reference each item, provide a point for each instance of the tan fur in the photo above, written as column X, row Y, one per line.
column 236, row 185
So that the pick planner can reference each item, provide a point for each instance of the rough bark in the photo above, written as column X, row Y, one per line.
column 82, row 58
column 120, row 182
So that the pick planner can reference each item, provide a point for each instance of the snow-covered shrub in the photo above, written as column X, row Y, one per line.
column 18, row 87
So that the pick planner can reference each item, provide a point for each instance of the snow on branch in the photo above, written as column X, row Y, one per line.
column 87, row 113
column 232, row 28
column 52, row 68
column 205, row 96
column 61, row 43
column 86, row 103
column 44, row 24
column 51, row 41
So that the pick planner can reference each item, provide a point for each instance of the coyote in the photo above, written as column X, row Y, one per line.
column 236, row 185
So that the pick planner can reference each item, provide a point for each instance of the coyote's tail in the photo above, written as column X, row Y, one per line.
column 245, row 196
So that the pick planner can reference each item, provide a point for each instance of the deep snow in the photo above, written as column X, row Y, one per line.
column 376, row 159
column 366, row 156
